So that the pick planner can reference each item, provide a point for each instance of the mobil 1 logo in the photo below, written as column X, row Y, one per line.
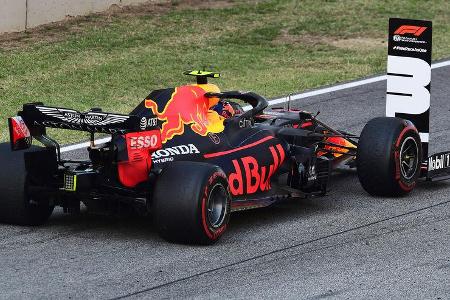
column 409, row 74
column 439, row 165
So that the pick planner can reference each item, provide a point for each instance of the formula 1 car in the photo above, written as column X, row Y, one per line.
column 185, row 159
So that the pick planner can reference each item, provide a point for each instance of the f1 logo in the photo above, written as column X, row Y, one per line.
column 409, row 29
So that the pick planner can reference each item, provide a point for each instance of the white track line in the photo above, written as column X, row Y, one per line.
column 343, row 86
column 294, row 97
column 84, row 145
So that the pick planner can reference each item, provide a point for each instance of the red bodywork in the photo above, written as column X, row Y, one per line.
column 20, row 136
column 140, row 146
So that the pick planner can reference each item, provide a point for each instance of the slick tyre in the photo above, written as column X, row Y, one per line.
column 389, row 157
column 16, row 205
column 191, row 203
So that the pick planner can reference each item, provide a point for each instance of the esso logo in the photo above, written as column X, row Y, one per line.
column 141, row 142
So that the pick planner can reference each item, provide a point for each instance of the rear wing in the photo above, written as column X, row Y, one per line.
column 34, row 118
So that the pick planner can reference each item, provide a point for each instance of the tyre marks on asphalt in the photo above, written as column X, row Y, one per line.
column 69, row 226
column 444, row 204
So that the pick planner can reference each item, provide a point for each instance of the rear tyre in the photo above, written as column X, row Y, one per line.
column 191, row 203
column 17, row 206
column 389, row 157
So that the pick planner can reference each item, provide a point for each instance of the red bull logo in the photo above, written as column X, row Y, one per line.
column 255, row 177
column 187, row 106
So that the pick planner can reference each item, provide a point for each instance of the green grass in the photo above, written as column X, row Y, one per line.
column 271, row 47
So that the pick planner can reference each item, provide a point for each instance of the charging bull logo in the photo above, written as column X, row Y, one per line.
column 187, row 106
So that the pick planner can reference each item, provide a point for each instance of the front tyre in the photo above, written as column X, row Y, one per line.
column 191, row 203
column 389, row 157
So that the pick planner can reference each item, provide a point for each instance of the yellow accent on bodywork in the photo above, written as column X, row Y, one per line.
column 215, row 121
column 75, row 182
column 203, row 73
column 210, row 88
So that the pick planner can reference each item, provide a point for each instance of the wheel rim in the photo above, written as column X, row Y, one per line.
column 217, row 205
column 409, row 158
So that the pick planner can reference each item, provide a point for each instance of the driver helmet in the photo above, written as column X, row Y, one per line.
column 224, row 109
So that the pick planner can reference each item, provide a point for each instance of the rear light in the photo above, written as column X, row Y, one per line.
column 19, row 134
column 70, row 182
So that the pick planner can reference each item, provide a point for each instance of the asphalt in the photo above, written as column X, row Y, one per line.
column 345, row 245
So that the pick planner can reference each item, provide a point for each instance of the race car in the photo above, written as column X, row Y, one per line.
column 189, row 156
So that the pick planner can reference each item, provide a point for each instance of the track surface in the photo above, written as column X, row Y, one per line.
column 345, row 245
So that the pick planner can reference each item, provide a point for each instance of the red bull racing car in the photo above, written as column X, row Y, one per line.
column 190, row 156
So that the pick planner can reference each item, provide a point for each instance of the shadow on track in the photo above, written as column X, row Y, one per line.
column 139, row 227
